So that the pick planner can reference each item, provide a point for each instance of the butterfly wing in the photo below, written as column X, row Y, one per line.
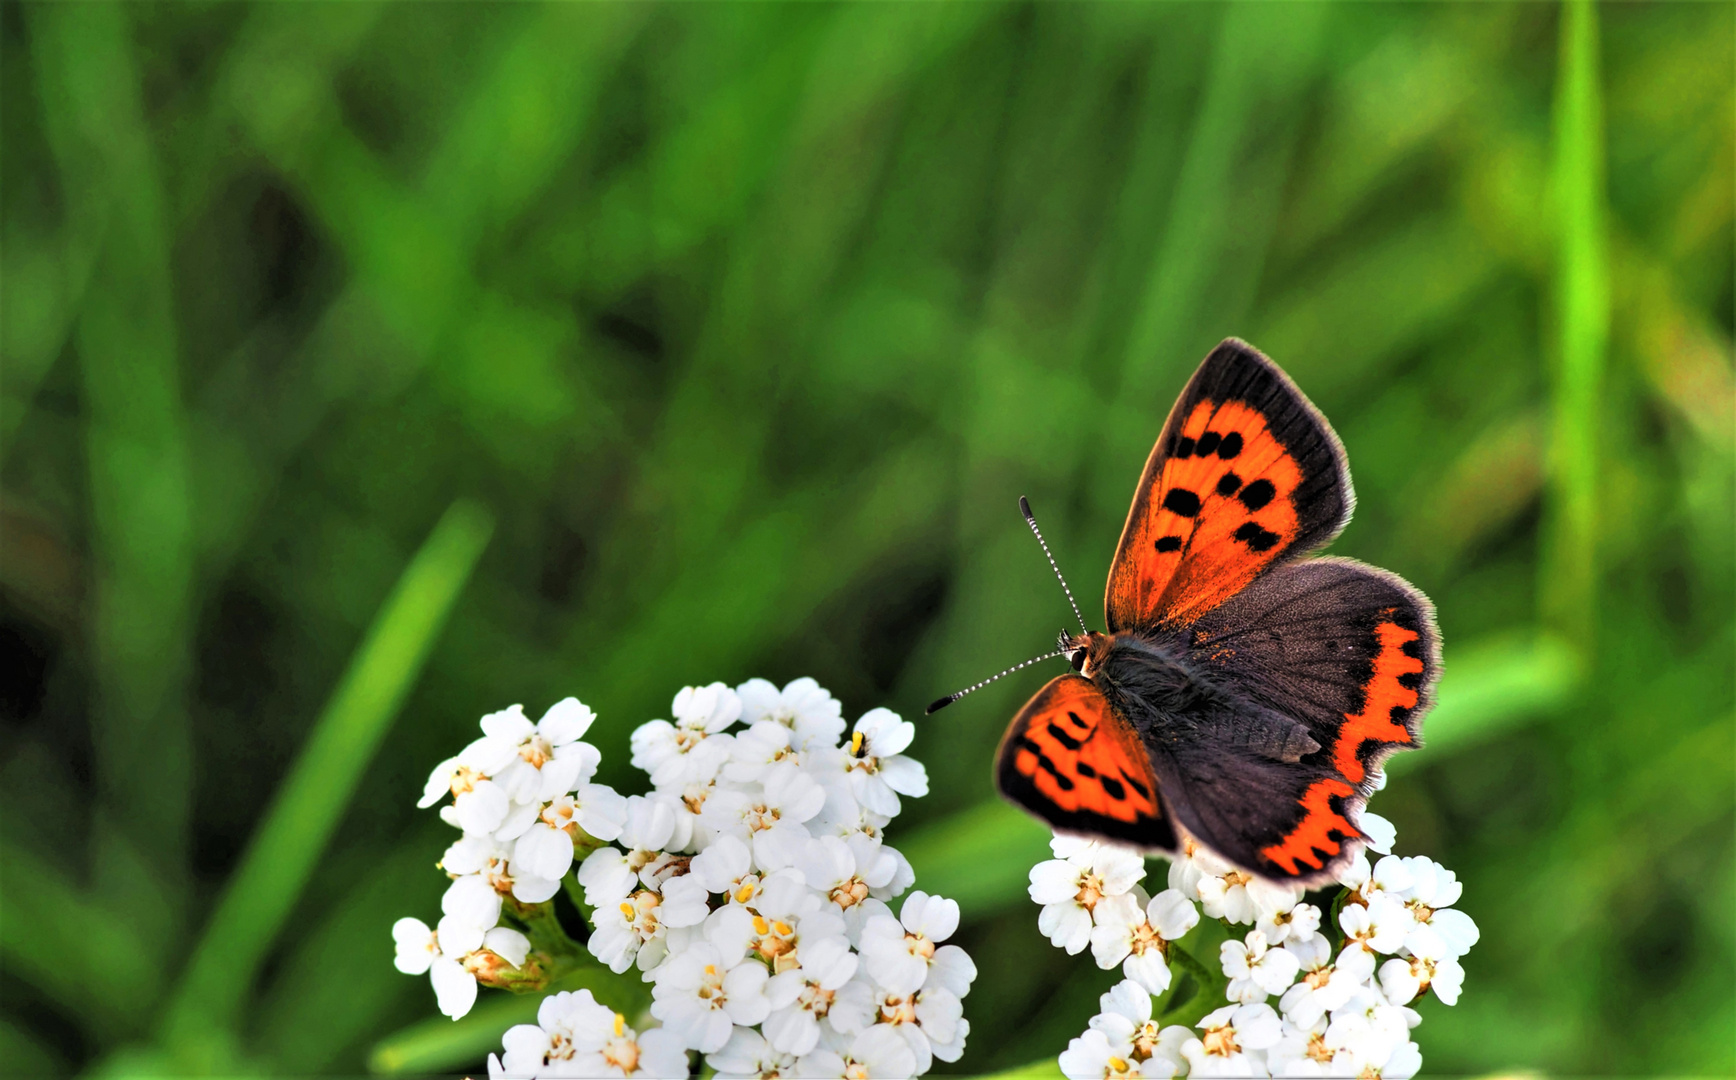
column 1246, row 473
column 1072, row 760
column 1345, row 650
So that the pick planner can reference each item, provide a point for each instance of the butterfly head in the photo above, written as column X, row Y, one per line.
column 1085, row 652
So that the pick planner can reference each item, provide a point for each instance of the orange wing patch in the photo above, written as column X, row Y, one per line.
column 1246, row 473
column 1071, row 759
column 1321, row 834
column 1220, row 512
column 1386, row 699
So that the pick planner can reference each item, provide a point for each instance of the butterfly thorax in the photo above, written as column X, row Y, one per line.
column 1169, row 695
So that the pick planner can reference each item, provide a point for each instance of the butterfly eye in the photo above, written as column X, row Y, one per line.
column 1077, row 659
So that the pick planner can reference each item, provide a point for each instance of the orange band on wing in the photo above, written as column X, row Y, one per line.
column 1081, row 756
column 1312, row 843
column 1385, row 699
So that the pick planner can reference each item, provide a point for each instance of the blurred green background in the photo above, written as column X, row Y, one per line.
column 367, row 368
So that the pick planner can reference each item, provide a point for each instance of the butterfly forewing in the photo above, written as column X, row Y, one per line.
column 1073, row 761
column 1246, row 473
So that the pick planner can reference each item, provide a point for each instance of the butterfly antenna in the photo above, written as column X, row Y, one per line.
column 950, row 698
column 1031, row 520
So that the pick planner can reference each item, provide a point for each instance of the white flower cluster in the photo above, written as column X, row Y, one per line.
column 522, row 794
column 750, row 887
column 1341, row 1011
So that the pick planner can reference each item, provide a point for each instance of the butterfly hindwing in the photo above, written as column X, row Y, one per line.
column 1073, row 761
column 1347, row 650
column 1246, row 473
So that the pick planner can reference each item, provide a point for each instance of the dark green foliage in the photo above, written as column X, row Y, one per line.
column 748, row 324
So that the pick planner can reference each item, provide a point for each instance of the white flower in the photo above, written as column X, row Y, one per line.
column 1255, row 970
column 877, row 1052
column 443, row 953
column 1226, row 892
column 931, row 1022
column 542, row 760
column 754, row 753
column 1071, row 885
column 1440, row 932
column 1302, row 1052
column 748, row 1056
column 1324, row 986
column 878, row 770
column 610, row 1048
column 1381, row 833
column 564, row 1023
column 769, row 928
column 1379, row 926
column 848, row 871
column 801, row 998
column 899, row 952
column 1228, row 1040
column 485, row 864
column 1128, row 1028
column 770, row 819
column 692, row 748
column 631, row 930
column 813, row 716
column 1390, row 875
column 699, row 996
column 1369, row 1027
column 1403, row 979
column 608, row 874
column 1298, row 924
column 1137, row 935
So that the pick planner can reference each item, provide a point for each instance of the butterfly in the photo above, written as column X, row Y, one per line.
column 1245, row 695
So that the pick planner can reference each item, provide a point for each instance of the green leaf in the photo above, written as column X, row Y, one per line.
column 320, row 784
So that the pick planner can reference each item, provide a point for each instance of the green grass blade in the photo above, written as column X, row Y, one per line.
column 1582, row 331
column 136, row 448
column 320, row 784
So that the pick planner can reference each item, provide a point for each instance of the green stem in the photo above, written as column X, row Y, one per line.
column 1209, row 986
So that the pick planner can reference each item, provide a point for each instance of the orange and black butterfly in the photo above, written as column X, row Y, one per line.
column 1245, row 695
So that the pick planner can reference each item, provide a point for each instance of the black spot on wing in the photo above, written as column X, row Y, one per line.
column 1257, row 494
column 1256, row 538
column 1182, row 501
column 1113, row 788
column 1228, row 483
column 1231, row 446
column 1168, row 543
column 1063, row 738
column 1208, row 443
column 1135, row 784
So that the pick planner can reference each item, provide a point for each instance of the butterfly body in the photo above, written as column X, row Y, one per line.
column 1245, row 696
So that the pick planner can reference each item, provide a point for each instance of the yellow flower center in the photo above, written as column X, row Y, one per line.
column 851, row 893
column 623, row 1054
column 1318, row 1050
column 1090, row 890
column 536, row 750
column 465, row 779
column 1221, row 1041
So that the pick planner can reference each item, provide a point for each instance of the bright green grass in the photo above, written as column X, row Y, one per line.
column 743, row 327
